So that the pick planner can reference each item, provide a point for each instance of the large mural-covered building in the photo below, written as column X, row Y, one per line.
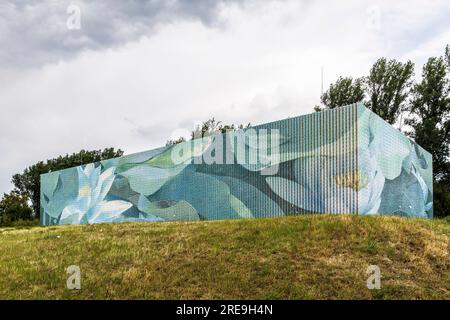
column 343, row 160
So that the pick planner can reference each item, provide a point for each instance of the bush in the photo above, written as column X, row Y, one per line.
column 19, row 224
column 14, row 207
column 441, row 200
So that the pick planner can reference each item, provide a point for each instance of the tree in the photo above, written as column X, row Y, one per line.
column 14, row 206
column 430, row 119
column 441, row 197
column 207, row 128
column 385, row 90
column 388, row 86
column 211, row 127
column 390, row 92
column 176, row 141
column 343, row 92
column 28, row 182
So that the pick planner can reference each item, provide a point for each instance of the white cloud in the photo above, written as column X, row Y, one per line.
column 258, row 63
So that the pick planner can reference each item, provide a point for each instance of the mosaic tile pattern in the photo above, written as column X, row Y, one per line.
column 345, row 160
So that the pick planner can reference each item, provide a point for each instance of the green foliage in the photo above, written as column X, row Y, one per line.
column 211, row 127
column 388, row 86
column 385, row 90
column 430, row 119
column 430, row 110
column 28, row 182
column 441, row 199
column 176, row 141
column 23, row 223
column 208, row 128
column 343, row 92
column 14, row 207
column 389, row 91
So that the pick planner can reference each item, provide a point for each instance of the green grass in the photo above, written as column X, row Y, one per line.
column 303, row 257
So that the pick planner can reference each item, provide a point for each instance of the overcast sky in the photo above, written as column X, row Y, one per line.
column 136, row 73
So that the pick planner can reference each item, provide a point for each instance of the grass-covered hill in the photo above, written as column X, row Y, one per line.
column 303, row 257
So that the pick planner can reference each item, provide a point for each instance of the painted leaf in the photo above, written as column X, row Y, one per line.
column 182, row 210
column 146, row 180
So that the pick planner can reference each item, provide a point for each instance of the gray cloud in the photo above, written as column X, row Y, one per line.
column 35, row 32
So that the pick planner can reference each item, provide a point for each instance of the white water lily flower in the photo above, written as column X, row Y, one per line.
column 330, row 185
column 369, row 196
column 423, row 186
column 407, row 195
column 90, row 206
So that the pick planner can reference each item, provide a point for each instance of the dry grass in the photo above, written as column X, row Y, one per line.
column 303, row 257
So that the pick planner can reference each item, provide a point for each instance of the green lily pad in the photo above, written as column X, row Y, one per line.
column 182, row 210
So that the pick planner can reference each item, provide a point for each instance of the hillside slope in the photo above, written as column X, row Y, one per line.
column 303, row 257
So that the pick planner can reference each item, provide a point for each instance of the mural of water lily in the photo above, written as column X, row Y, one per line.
column 345, row 160
column 371, row 184
column 407, row 195
column 58, row 189
column 405, row 166
column 374, row 135
column 90, row 206
column 331, row 185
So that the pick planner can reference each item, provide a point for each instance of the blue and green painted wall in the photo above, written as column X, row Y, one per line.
column 344, row 160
